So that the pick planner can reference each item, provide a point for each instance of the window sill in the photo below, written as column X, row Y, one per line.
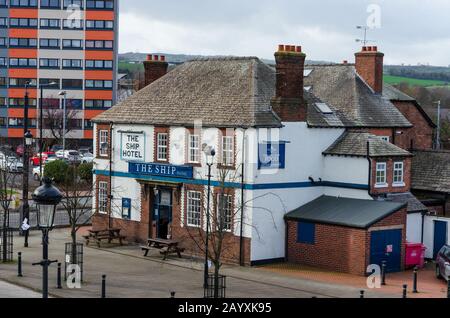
column 381, row 185
column 398, row 185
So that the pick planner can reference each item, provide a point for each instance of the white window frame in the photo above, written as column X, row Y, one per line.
column 381, row 167
column 194, row 148
column 194, row 208
column 399, row 172
column 228, row 223
column 102, row 197
column 228, row 151
column 103, row 136
column 162, row 148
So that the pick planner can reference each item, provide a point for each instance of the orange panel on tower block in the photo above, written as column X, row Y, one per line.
column 20, row 93
column 98, row 75
column 100, row 35
column 98, row 94
column 23, row 13
column 19, row 112
column 89, row 114
column 89, row 134
column 99, row 15
column 23, row 33
column 99, row 55
column 22, row 73
column 23, row 53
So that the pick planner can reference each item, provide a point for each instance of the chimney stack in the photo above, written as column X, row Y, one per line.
column 155, row 68
column 369, row 65
column 288, row 102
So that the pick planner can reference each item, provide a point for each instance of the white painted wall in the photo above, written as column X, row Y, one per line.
column 429, row 233
column 414, row 228
column 346, row 169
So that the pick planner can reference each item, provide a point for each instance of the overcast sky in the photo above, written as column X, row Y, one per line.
column 407, row 31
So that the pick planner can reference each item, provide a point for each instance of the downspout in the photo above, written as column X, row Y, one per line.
column 110, row 173
column 423, row 226
column 370, row 167
column 241, row 237
column 394, row 132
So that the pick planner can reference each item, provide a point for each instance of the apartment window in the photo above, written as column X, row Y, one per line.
column 72, row 64
column 3, row 42
column 22, row 42
column 103, row 197
column 162, row 146
column 73, row 3
column 50, row 24
column 74, row 103
column 103, row 143
column 3, row 82
column 20, row 102
column 398, row 173
column 99, row 25
column 100, row 4
column 22, row 62
column 99, row 64
column 72, row 84
column 47, row 81
column 194, row 208
column 72, row 44
column 55, row 4
column 23, row 3
column 3, row 22
column 227, row 150
column 73, row 24
column 381, row 174
column 224, row 211
column 99, row 45
column 23, row 23
column 3, row 62
column 98, row 103
column 22, row 82
column 3, row 3
column 98, row 84
column 194, row 148
column 3, row 121
column 49, row 63
column 49, row 43
column 3, row 102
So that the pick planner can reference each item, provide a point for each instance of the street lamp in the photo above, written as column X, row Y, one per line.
column 41, row 88
column 64, row 94
column 209, row 153
column 47, row 197
column 28, row 140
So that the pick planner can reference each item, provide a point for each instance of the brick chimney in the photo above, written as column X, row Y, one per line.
column 369, row 65
column 155, row 68
column 288, row 102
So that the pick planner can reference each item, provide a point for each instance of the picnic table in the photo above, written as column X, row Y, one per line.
column 166, row 247
column 105, row 234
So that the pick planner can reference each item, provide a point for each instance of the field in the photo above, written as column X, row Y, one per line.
column 127, row 67
column 393, row 80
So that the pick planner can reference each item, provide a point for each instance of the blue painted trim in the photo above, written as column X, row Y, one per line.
column 262, row 186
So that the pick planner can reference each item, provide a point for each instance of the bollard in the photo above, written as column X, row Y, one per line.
column 103, row 286
column 383, row 273
column 172, row 294
column 58, row 277
column 361, row 295
column 405, row 291
column 415, row 291
column 448, row 287
column 19, row 264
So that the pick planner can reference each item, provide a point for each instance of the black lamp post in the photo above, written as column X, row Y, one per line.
column 26, row 143
column 47, row 197
column 210, row 153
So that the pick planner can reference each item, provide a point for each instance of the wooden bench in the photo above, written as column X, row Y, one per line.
column 166, row 247
column 100, row 235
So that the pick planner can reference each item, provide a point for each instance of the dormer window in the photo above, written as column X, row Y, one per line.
column 381, row 180
column 398, row 174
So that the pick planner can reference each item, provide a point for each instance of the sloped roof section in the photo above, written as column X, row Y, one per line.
column 413, row 204
column 430, row 171
column 353, row 102
column 222, row 92
column 354, row 143
column 392, row 93
column 355, row 213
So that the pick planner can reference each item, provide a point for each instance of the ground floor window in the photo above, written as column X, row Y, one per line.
column 103, row 197
column 194, row 208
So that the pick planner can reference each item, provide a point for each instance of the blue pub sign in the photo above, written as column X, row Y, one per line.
column 272, row 155
column 162, row 170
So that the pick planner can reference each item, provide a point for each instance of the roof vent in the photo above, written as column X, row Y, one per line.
column 307, row 88
column 324, row 108
column 306, row 72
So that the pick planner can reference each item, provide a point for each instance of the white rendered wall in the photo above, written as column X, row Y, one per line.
column 414, row 228
column 428, row 239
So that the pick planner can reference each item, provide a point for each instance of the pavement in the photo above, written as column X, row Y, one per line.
column 8, row 290
column 130, row 275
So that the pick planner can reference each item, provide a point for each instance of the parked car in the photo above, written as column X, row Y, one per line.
column 60, row 153
column 72, row 156
column 37, row 173
column 84, row 150
column 87, row 157
column 443, row 263
column 56, row 148
column 45, row 155
column 11, row 163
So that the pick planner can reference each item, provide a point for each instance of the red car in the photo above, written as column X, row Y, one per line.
column 45, row 155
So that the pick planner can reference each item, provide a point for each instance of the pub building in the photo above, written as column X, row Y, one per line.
column 316, row 154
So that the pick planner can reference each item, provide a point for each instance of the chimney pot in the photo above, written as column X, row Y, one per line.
column 364, row 48
column 374, row 48
column 292, row 48
column 299, row 49
column 149, row 57
column 345, row 62
column 163, row 58
column 281, row 48
column 156, row 57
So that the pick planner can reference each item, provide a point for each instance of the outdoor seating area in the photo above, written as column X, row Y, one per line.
column 112, row 234
column 166, row 247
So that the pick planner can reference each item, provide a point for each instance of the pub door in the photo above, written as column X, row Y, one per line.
column 162, row 213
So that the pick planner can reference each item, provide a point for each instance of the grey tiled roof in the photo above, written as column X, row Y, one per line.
column 392, row 93
column 414, row 205
column 347, row 212
column 430, row 171
column 353, row 102
column 354, row 143
column 222, row 92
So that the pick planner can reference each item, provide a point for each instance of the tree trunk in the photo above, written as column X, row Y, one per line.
column 4, row 238
column 73, row 235
column 216, row 280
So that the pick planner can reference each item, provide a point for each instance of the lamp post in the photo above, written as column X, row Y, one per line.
column 26, row 144
column 47, row 197
column 41, row 88
column 64, row 94
column 210, row 153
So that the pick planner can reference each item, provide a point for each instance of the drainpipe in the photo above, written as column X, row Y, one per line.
column 370, row 167
column 241, row 237
column 110, row 173
column 423, row 226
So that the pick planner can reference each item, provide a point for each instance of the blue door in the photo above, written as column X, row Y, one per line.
column 440, row 236
column 386, row 246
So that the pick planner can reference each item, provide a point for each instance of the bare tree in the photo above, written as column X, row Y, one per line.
column 54, row 122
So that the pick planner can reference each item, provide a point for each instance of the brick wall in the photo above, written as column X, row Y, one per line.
column 390, row 175
column 338, row 248
column 369, row 65
column 421, row 135
column 100, row 127
column 154, row 68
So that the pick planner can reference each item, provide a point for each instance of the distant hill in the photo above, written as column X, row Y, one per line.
column 429, row 75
